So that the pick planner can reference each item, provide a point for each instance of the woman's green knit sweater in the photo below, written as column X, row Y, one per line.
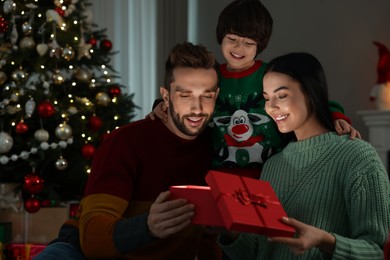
column 333, row 183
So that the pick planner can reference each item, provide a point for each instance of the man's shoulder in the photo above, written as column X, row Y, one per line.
column 136, row 129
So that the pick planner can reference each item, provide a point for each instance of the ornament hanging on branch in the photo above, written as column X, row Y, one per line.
column 63, row 131
column 95, row 123
column 114, row 91
column 42, row 49
column 33, row 183
column 88, row 150
column 92, row 41
column 41, row 135
column 61, row 163
column 45, row 109
column 8, row 6
column 105, row 45
column 29, row 107
column 102, row 99
column 21, row 128
column 32, row 205
column 6, row 142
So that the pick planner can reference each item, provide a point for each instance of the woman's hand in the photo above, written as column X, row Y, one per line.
column 307, row 238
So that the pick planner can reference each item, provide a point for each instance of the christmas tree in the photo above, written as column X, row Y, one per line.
column 59, row 97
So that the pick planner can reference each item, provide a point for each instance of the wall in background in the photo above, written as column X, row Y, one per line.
column 339, row 33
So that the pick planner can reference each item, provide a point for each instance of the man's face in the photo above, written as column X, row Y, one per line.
column 190, row 101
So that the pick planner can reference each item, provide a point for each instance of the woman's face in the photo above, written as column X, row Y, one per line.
column 288, row 106
column 239, row 52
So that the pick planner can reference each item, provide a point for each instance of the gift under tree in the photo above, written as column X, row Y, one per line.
column 59, row 97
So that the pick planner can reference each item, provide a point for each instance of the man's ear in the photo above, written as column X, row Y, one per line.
column 165, row 95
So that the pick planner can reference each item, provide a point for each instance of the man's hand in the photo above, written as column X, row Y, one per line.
column 167, row 217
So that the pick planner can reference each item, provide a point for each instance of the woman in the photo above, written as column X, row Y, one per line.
column 335, row 191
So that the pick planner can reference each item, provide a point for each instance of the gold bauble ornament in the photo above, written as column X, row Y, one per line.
column 102, row 99
column 68, row 53
column 6, row 142
column 61, row 164
column 27, row 43
column 83, row 75
column 57, row 77
column 41, row 135
column 63, row 131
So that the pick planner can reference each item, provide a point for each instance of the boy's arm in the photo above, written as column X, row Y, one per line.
column 342, row 123
column 337, row 111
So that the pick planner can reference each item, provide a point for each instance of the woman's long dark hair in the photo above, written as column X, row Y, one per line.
column 307, row 70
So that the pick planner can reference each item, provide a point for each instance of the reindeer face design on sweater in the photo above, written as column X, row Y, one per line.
column 240, row 136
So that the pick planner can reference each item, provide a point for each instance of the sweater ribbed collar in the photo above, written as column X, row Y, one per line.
column 310, row 143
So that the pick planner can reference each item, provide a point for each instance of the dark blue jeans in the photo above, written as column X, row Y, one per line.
column 60, row 250
column 66, row 246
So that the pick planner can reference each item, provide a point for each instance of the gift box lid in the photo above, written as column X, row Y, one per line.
column 206, row 211
column 248, row 205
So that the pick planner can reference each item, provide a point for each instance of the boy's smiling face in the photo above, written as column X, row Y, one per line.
column 239, row 52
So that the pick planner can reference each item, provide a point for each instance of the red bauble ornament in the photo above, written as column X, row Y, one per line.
column 60, row 11
column 33, row 183
column 105, row 45
column 92, row 41
column 88, row 150
column 94, row 123
column 45, row 109
column 32, row 205
column 114, row 91
column 21, row 128
column 3, row 25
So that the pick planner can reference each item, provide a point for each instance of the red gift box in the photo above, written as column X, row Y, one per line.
column 206, row 212
column 16, row 251
column 248, row 205
column 237, row 203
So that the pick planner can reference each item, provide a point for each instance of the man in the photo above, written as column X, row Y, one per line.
column 126, row 212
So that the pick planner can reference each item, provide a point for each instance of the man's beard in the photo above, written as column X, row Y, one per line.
column 179, row 122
